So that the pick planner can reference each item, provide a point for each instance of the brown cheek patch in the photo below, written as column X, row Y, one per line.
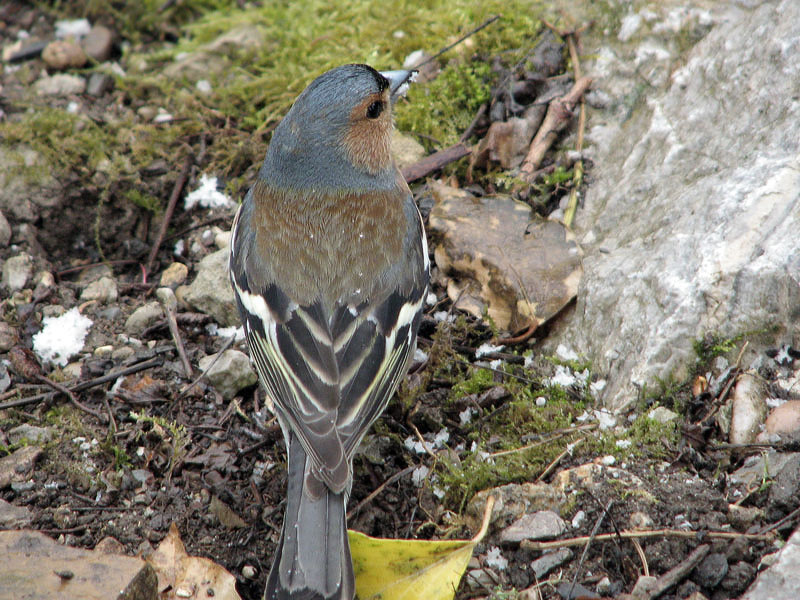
column 368, row 141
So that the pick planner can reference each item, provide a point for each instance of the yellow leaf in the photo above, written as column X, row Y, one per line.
column 411, row 569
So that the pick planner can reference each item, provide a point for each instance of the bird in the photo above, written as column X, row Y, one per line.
column 330, row 270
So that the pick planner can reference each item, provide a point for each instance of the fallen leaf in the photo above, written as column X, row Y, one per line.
column 225, row 514
column 183, row 576
column 411, row 569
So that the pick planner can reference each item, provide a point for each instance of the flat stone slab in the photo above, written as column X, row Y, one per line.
column 782, row 580
column 35, row 567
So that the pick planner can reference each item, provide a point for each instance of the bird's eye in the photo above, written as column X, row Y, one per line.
column 374, row 110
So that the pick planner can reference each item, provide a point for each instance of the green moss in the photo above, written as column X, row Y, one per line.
column 480, row 380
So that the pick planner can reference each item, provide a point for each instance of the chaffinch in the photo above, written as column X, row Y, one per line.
column 329, row 266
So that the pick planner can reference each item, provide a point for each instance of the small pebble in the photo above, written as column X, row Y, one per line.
column 64, row 54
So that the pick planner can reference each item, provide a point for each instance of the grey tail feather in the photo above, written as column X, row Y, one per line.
column 312, row 561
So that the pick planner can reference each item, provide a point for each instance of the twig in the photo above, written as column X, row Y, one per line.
column 693, row 535
column 378, row 490
column 642, row 556
column 68, row 393
column 435, row 161
column 557, row 459
column 522, row 337
column 176, row 337
column 468, row 131
column 593, row 535
column 788, row 518
column 558, row 115
column 153, row 362
column 577, row 179
column 173, row 200
column 486, row 23
column 225, row 346
column 678, row 573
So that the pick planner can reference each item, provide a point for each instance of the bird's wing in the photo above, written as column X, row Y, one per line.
column 331, row 375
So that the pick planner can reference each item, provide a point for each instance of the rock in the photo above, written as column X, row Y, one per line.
column 17, row 271
column 143, row 317
column 743, row 517
column 110, row 545
column 104, row 290
column 44, row 282
column 710, row 571
column 593, row 476
column 8, row 337
column 782, row 579
column 231, row 373
column 64, row 54
column 541, row 525
column 60, row 85
column 640, row 520
column 549, row 561
column 644, row 585
column 5, row 231
column 14, row 517
column 748, row 409
column 98, row 43
column 407, row 151
column 213, row 57
column 167, row 298
column 174, row 275
column 757, row 467
column 683, row 232
column 784, row 419
column 31, row 561
column 662, row 415
column 511, row 502
column 16, row 466
column 739, row 575
column 99, row 84
column 122, row 354
column 785, row 489
column 522, row 269
column 211, row 292
column 31, row 433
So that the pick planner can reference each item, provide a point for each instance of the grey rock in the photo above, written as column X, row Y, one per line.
column 662, row 414
column 757, row 467
column 740, row 575
column 711, row 571
column 60, row 85
column 16, row 466
column 511, row 502
column 31, row 433
column 231, row 373
column 14, row 517
column 8, row 337
column 167, row 298
column 541, row 525
column 99, row 84
column 549, row 561
column 17, row 271
column 98, row 43
column 691, row 224
column 782, row 580
column 644, row 586
column 143, row 317
column 104, row 290
column 5, row 231
column 785, row 489
column 211, row 292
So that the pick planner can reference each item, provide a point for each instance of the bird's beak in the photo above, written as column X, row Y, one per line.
column 398, row 82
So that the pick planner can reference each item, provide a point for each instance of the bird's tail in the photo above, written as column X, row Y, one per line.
column 312, row 561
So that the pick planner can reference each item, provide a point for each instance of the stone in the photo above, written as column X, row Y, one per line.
column 5, row 231
column 785, row 488
column 711, row 570
column 17, row 271
column 174, row 275
column 64, row 54
column 14, row 517
column 109, row 545
column 690, row 225
column 122, row 354
column 511, row 502
column 757, row 467
column 8, row 337
column 231, row 373
column 17, row 465
column 662, row 415
column 541, row 525
column 32, row 561
column 213, row 57
column 748, row 409
column 98, row 43
column 781, row 580
column 60, row 85
column 406, row 150
column 549, row 561
column 784, row 419
column 593, row 476
column 644, row 586
column 143, row 317
column 211, row 291
column 739, row 576
column 31, row 433
column 520, row 269
column 104, row 291
column 99, row 84
column 167, row 298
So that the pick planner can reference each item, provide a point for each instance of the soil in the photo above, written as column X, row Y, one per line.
column 151, row 454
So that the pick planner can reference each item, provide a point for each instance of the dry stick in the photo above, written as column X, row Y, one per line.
column 572, row 204
column 225, row 346
column 435, row 161
column 642, row 557
column 558, row 115
column 378, row 490
column 472, row 32
column 176, row 337
column 153, row 362
column 626, row 535
column 173, row 200
column 468, row 132
column 557, row 459
column 677, row 574
column 68, row 393
column 593, row 535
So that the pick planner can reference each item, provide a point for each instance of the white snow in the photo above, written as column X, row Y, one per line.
column 207, row 195
column 495, row 559
column 61, row 337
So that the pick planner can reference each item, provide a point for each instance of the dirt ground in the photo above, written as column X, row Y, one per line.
column 129, row 461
